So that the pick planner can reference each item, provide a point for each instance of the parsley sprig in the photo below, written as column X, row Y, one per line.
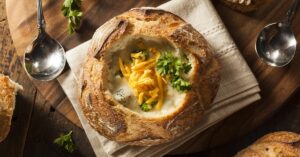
column 65, row 141
column 146, row 107
column 172, row 68
column 71, row 10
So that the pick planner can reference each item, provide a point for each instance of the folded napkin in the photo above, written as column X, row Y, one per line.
column 238, row 88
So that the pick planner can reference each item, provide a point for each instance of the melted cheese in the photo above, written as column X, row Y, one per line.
column 144, row 79
column 122, row 91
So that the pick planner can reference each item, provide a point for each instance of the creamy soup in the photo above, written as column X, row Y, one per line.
column 123, row 92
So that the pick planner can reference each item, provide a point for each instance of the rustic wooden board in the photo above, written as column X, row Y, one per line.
column 34, row 126
column 277, row 84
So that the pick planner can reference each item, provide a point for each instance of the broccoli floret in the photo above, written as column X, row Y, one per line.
column 146, row 107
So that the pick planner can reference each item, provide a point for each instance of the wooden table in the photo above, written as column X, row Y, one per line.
column 43, row 111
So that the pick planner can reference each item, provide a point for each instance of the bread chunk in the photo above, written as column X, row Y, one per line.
column 245, row 5
column 8, row 90
column 277, row 144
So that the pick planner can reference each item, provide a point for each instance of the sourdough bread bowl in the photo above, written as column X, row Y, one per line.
column 8, row 90
column 148, row 80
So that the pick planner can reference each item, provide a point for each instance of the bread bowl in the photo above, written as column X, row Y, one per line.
column 277, row 144
column 8, row 90
column 127, row 94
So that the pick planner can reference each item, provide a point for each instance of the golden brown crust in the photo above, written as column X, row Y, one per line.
column 245, row 7
column 8, row 91
column 278, row 144
column 119, row 123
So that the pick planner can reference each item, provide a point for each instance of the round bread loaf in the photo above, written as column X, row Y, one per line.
column 117, row 82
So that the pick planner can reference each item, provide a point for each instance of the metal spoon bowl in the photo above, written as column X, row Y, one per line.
column 45, row 58
column 276, row 43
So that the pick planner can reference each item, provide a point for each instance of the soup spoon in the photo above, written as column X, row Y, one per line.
column 276, row 43
column 45, row 58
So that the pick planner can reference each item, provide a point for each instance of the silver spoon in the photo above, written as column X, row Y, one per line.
column 45, row 58
column 276, row 43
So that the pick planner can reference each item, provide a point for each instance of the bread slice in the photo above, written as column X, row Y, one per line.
column 244, row 5
column 8, row 90
column 278, row 144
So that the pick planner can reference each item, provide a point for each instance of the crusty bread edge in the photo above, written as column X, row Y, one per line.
column 245, row 8
column 280, row 140
column 151, row 140
column 8, row 118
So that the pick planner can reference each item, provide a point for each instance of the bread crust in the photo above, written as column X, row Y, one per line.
column 118, row 123
column 8, row 90
column 254, row 5
column 274, row 144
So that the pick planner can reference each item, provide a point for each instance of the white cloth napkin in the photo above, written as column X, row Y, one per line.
column 238, row 88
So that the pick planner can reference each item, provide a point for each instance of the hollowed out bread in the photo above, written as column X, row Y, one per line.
column 8, row 90
column 126, row 122
column 277, row 144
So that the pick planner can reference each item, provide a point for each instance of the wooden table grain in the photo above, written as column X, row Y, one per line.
column 43, row 111
column 35, row 125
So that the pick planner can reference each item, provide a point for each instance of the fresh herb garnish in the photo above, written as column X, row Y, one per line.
column 65, row 141
column 145, row 54
column 180, row 84
column 71, row 10
column 146, row 107
column 172, row 68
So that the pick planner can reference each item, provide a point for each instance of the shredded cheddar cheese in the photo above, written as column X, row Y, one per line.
column 142, row 77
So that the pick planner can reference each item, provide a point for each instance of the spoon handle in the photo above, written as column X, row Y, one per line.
column 291, row 12
column 40, row 16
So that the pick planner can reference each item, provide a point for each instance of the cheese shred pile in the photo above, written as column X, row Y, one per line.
column 143, row 78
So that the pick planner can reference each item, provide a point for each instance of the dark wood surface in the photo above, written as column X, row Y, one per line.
column 286, row 119
column 34, row 124
column 43, row 111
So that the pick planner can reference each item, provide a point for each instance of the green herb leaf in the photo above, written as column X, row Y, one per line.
column 65, row 141
column 145, row 54
column 165, row 64
column 146, row 107
column 172, row 68
column 71, row 10
column 180, row 84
